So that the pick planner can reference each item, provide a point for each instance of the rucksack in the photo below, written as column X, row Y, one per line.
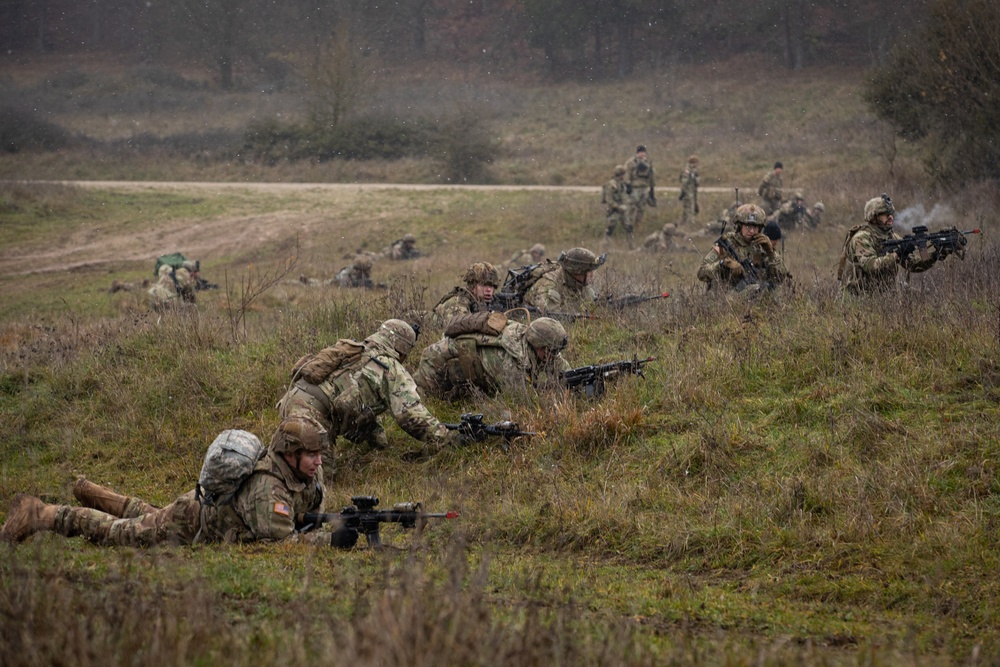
column 314, row 368
column 229, row 461
column 485, row 322
column 520, row 280
column 173, row 260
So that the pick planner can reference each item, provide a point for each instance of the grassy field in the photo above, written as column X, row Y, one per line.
column 800, row 478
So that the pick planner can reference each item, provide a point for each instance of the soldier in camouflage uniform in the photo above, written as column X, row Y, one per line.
column 814, row 214
column 792, row 213
column 862, row 269
column 533, row 255
column 163, row 293
column 615, row 198
column 286, row 481
column 567, row 285
column 689, row 191
column 661, row 241
column 720, row 268
column 356, row 274
column 641, row 184
column 350, row 399
column 769, row 189
column 481, row 280
column 519, row 355
column 404, row 248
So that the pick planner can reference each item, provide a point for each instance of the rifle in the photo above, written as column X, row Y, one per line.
column 750, row 272
column 592, row 378
column 622, row 302
column 364, row 518
column 946, row 241
column 202, row 284
column 473, row 426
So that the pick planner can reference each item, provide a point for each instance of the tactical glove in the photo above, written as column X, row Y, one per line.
column 735, row 268
column 764, row 243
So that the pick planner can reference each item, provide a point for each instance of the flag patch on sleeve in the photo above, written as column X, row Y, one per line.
column 282, row 509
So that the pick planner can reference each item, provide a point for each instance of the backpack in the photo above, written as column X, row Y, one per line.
column 520, row 280
column 173, row 260
column 229, row 461
column 314, row 368
column 485, row 322
column 843, row 255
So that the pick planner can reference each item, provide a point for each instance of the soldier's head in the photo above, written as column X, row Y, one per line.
column 620, row 171
column 164, row 271
column 778, row 167
column 482, row 279
column 669, row 229
column 693, row 161
column 772, row 230
column 397, row 335
column 879, row 211
column 192, row 266
column 579, row 263
column 409, row 240
column 362, row 266
column 547, row 338
column 640, row 149
column 749, row 220
column 538, row 251
column 797, row 197
column 301, row 440
column 818, row 206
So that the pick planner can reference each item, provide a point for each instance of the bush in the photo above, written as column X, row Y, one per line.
column 22, row 130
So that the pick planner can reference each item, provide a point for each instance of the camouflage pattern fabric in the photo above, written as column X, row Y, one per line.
column 558, row 291
column 790, row 215
column 614, row 197
column 263, row 510
column 769, row 191
column 864, row 271
column 353, row 276
column 402, row 250
column 689, row 194
column 459, row 301
column 451, row 367
column 186, row 285
column 349, row 402
column 639, row 175
column 714, row 272
column 520, row 258
column 661, row 241
column 163, row 293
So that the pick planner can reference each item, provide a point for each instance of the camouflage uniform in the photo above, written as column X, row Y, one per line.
column 461, row 300
column 349, row 401
column 862, row 268
column 792, row 213
column 404, row 248
column 356, row 274
column 451, row 367
column 558, row 290
column 163, row 293
column 661, row 241
column 814, row 214
column 614, row 197
column 640, row 179
column 769, row 189
column 689, row 191
column 723, row 270
column 533, row 255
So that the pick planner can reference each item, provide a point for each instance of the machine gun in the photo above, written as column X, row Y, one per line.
column 473, row 426
column 362, row 517
column 591, row 379
column 946, row 241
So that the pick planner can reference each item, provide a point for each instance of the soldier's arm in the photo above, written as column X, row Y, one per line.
column 268, row 511
column 863, row 252
column 711, row 267
column 408, row 410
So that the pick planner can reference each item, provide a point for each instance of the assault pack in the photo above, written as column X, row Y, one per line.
column 315, row 368
column 174, row 260
column 229, row 461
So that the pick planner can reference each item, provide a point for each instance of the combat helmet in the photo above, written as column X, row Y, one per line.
column 749, row 214
column 397, row 334
column 546, row 333
column 482, row 273
column 164, row 271
column 877, row 205
column 537, row 250
column 362, row 263
column 798, row 195
column 819, row 206
column 409, row 239
column 620, row 170
column 192, row 266
column 693, row 160
column 669, row 229
column 578, row 261
column 299, row 433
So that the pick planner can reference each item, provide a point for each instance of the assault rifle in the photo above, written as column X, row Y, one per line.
column 946, row 241
column 473, row 426
column 751, row 273
column 361, row 516
column 591, row 379
column 202, row 284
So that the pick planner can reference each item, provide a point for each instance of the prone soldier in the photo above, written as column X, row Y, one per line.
column 356, row 274
column 566, row 286
column 533, row 255
column 481, row 280
column 403, row 248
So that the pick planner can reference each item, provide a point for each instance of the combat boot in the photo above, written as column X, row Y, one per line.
column 27, row 516
column 104, row 499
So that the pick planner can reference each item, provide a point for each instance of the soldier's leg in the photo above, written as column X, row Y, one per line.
column 177, row 523
column 27, row 516
column 104, row 499
column 687, row 211
column 627, row 226
column 639, row 196
column 611, row 221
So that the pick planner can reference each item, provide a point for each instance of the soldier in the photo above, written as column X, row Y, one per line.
column 689, row 191
column 356, row 274
column 163, row 293
column 661, row 241
column 567, row 285
column 347, row 396
column 615, row 198
column 186, row 280
column 533, row 255
column 862, row 269
column 481, row 280
column 518, row 355
column 792, row 213
column 404, row 248
column 123, row 286
column 722, row 266
column 286, row 481
column 640, row 181
column 770, row 189
column 814, row 214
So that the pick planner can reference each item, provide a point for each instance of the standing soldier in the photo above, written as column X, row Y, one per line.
column 568, row 285
column 490, row 360
column 862, row 268
column 481, row 280
column 724, row 264
column 689, row 191
column 640, row 184
column 770, row 189
column 347, row 386
column 615, row 198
